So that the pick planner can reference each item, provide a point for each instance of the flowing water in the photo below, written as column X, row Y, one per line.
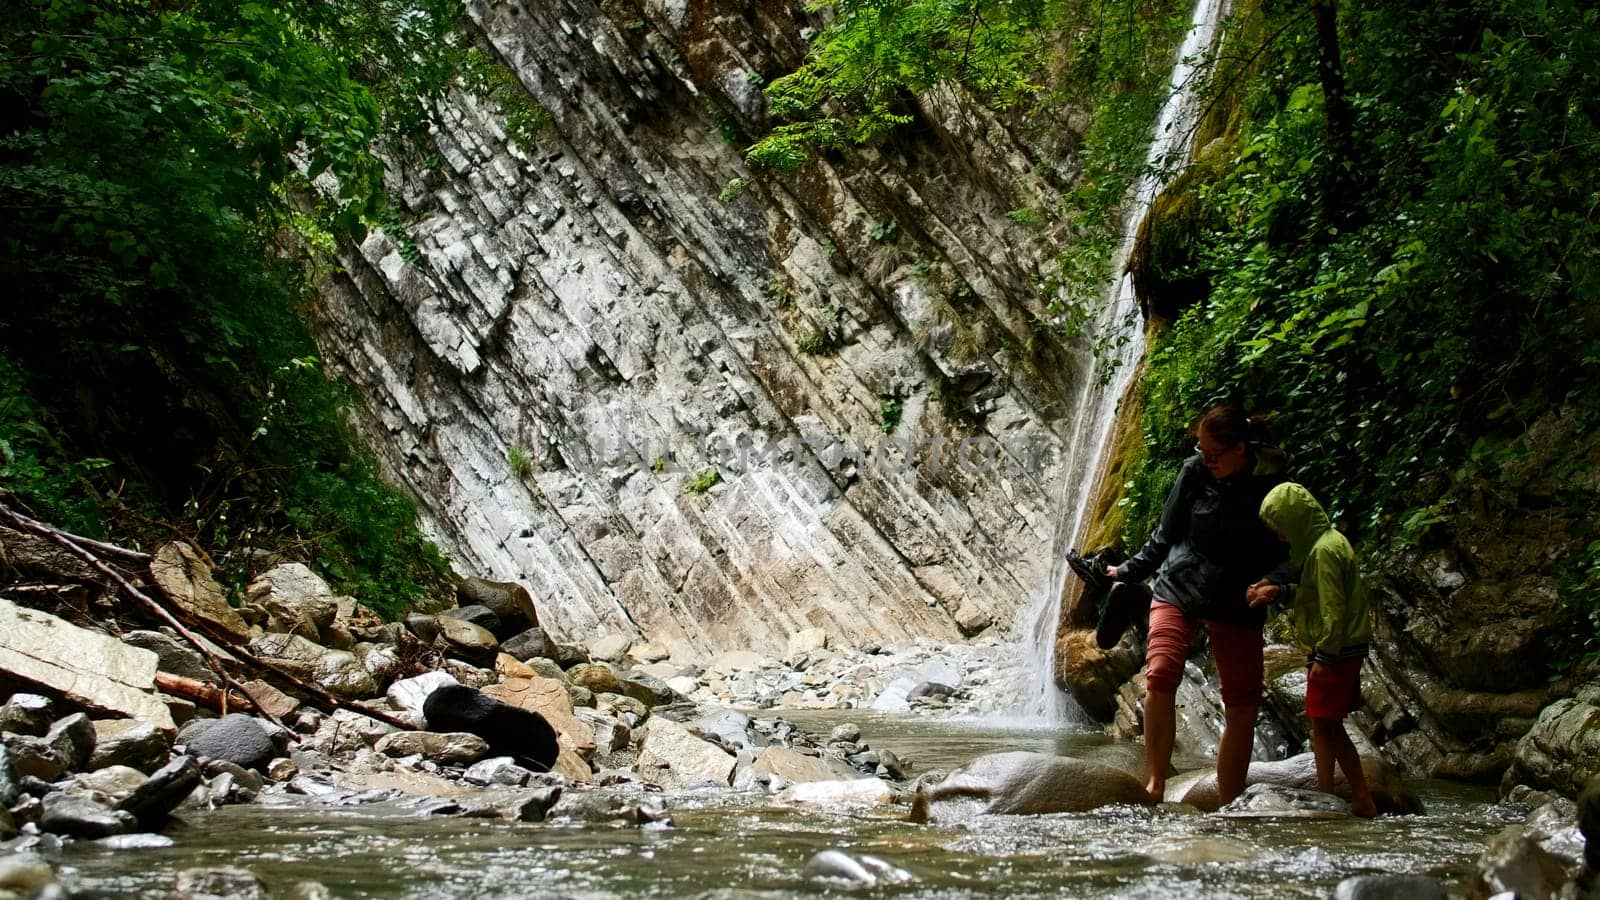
column 1120, row 344
column 726, row 844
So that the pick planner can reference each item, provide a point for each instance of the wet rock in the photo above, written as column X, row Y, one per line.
column 1560, row 751
column 230, row 883
column 87, row 668
column 673, row 757
column 28, row 714
column 25, row 874
column 929, row 690
column 237, row 738
column 32, row 757
column 77, row 815
column 111, row 784
column 250, row 780
column 125, row 742
column 1589, row 822
column 185, row 578
column 497, row 770
column 407, row 695
column 597, row 676
column 529, row 644
column 609, row 806
column 550, row 700
column 73, row 738
column 610, row 647
column 136, row 841
column 466, row 641
column 1273, row 801
column 510, row 602
column 154, row 800
column 1389, row 790
column 892, row 766
column 839, row 868
column 1020, row 783
column 796, row 767
column 860, row 792
column 535, row 806
column 448, row 749
column 282, row 769
column 1515, row 862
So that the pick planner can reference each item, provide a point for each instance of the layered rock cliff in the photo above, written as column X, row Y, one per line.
column 585, row 332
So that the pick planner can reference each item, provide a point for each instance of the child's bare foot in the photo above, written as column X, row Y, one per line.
column 1156, row 789
column 1364, row 808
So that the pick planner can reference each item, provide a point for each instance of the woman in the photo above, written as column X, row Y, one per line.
column 1206, row 551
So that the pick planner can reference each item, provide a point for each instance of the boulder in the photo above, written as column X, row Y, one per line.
column 125, row 742
column 569, row 655
column 112, row 783
column 77, row 815
column 157, row 796
column 31, row 757
column 648, row 652
column 73, row 738
column 499, row 771
column 1390, row 887
column 836, row 867
column 89, row 669
column 804, row 641
column 509, row 601
column 610, row 647
column 235, row 738
column 529, row 644
column 1514, row 863
column 336, row 671
column 228, row 883
column 652, row 692
column 29, row 714
column 550, row 700
column 448, row 749
column 467, row 642
column 348, row 731
column 1271, row 801
column 1560, row 751
column 185, row 578
column 1021, row 783
column 797, row 768
column 971, row 619
column 1389, row 791
column 290, row 582
column 673, row 757
column 596, row 676
column 425, row 627
column 173, row 657
column 478, row 614
column 269, row 699
column 310, row 617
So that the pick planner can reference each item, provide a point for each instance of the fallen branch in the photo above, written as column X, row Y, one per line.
column 324, row 699
column 207, row 695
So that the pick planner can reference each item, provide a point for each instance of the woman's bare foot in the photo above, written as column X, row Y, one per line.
column 1364, row 808
column 1156, row 789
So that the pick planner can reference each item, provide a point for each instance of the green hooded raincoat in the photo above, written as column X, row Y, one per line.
column 1332, row 616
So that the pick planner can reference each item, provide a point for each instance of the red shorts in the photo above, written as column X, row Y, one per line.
column 1236, row 648
column 1336, row 692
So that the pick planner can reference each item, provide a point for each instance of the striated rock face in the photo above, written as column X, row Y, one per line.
column 584, row 327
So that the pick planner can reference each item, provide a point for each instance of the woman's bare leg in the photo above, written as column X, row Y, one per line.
column 1160, row 730
column 1233, row 752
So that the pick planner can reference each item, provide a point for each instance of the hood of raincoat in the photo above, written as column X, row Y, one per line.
column 1290, row 510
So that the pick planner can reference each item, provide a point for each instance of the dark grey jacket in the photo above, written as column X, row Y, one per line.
column 1211, row 544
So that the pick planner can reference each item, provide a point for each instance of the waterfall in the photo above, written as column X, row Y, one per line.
column 1120, row 337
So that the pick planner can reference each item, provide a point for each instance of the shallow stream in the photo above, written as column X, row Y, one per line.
column 727, row 844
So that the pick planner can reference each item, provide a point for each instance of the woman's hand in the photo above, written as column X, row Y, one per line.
column 1111, row 572
column 1261, row 593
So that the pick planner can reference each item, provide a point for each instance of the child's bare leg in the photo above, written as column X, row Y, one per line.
column 1330, row 743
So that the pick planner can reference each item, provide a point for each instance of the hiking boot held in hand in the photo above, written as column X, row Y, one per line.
column 1122, row 604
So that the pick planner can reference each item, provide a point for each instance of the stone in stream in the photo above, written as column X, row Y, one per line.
column 237, row 738
column 1389, row 791
column 76, row 815
column 509, row 731
column 1271, row 801
column 228, row 883
column 1389, row 887
column 1514, row 863
column 151, row 802
column 863, row 871
column 1020, row 783
column 25, row 874
column 672, row 756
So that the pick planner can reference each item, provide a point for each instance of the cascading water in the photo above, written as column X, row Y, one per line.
column 1121, row 342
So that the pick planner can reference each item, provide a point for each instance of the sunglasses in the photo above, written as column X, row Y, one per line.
column 1212, row 457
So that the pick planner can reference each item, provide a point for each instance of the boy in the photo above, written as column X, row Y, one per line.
column 1332, row 622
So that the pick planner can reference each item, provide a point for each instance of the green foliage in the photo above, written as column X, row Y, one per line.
column 820, row 342
column 885, row 232
column 889, row 410
column 519, row 461
column 484, row 76
column 733, row 190
column 702, row 481
column 156, row 172
column 1459, row 303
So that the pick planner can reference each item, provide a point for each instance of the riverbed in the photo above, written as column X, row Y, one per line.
column 734, row 844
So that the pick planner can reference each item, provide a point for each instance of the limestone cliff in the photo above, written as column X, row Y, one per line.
column 585, row 328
